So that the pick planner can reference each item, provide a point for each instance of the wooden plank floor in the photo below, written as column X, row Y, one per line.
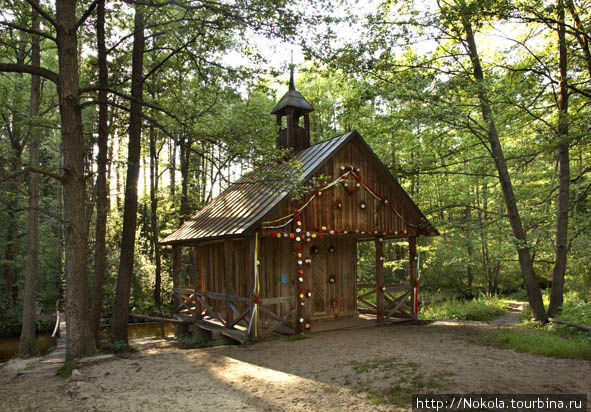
column 358, row 322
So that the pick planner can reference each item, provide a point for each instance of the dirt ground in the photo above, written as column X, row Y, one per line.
column 344, row 370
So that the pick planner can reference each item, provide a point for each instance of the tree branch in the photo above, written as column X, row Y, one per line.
column 42, row 12
column 86, row 14
column 25, row 68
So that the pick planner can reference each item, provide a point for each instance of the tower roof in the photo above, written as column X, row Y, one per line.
column 292, row 98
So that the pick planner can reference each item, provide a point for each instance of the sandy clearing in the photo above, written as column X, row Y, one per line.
column 313, row 374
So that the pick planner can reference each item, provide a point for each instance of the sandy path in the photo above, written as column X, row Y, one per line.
column 313, row 374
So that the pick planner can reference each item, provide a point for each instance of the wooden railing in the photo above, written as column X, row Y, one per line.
column 394, row 306
column 193, row 304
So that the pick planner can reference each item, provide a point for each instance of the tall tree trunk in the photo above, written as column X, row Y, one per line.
column 80, row 340
column 556, row 296
column 27, row 346
column 154, row 217
column 121, row 305
column 468, row 223
column 101, row 179
column 523, row 250
column 185, row 162
column 172, row 164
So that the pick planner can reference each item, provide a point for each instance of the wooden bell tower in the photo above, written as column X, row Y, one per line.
column 294, row 107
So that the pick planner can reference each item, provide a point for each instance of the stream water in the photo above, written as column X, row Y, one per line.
column 9, row 346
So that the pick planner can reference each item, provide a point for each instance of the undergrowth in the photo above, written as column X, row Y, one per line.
column 483, row 309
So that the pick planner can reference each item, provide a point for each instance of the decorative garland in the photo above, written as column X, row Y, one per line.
column 299, row 236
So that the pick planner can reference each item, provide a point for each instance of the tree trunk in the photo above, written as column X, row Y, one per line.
column 80, row 340
column 523, row 250
column 154, row 217
column 556, row 296
column 27, row 346
column 172, row 165
column 101, row 179
column 468, row 223
column 185, row 161
column 121, row 305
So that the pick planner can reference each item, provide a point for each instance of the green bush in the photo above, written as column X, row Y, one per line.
column 481, row 309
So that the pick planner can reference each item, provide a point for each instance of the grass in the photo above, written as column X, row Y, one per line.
column 483, row 309
column 542, row 342
column 402, row 378
column 551, row 339
column 295, row 338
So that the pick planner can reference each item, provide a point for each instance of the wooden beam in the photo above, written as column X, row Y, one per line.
column 251, row 252
column 379, row 280
column 412, row 248
column 228, row 278
column 176, row 269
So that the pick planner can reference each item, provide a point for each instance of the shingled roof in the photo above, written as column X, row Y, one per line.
column 239, row 209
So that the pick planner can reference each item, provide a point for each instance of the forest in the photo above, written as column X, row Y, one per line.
column 122, row 118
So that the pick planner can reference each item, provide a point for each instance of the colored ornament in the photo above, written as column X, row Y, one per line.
column 291, row 236
column 298, row 230
column 350, row 191
column 278, row 235
column 331, row 232
column 358, row 184
column 301, row 296
column 313, row 235
column 308, row 326
column 299, row 262
column 338, row 231
column 338, row 205
column 362, row 205
column 298, row 239
column 299, row 254
column 272, row 234
column 332, row 279
column 308, row 234
column 323, row 227
column 319, row 235
column 301, row 320
column 344, row 232
column 300, row 288
column 302, row 303
column 300, row 279
column 299, row 223
column 343, row 168
column 256, row 299
column 382, row 258
column 284, row 234
column 301, row 271
column 301, row 327
column 298, row 247
column 298, row 218
column 318, row 228
column 309, row 294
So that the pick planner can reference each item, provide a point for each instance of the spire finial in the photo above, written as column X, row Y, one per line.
column 291, row 68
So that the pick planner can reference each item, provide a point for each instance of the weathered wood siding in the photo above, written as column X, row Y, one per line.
column 376, row 216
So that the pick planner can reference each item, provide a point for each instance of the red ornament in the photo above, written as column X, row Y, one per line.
column 318, row 228
column 350, row 191
column 300, row 288
column 272, row 234
column 298, row 218
column 338, row 230
column 301, row 271
column 301, row 327
column 298, row 246
column 319, row 235
column 256, row 299
column 343, row 177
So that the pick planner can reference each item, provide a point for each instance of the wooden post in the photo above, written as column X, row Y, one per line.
column 197, row 277
column 176, row 269
column 412, row 252
column 228, row 277
column 380, row 280
column 251, row 285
